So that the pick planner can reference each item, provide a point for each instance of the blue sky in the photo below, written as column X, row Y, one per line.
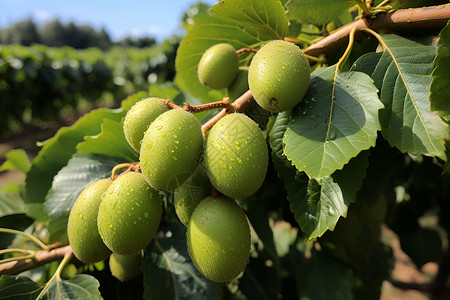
column 158, row 18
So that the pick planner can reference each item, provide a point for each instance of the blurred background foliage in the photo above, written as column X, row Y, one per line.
column 51, row 70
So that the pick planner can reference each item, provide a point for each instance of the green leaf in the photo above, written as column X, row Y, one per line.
column 11, row 204
column 18, row 288
column 441, row 76
column 403, row 76
column 169, row 272
column 133, row 99
column 59, row 149
column 316, row 207
column 239, row 23
column 282, row 165
column 80, row 172
column 367, row 63
column 267, row 17
column 57, row 228
column 337, row 119
column 16, row 159
column 110, row 142
column 312, row 11
column 80, row 286
column 322, row 270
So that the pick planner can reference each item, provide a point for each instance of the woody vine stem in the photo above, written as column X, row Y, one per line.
column 431, row 18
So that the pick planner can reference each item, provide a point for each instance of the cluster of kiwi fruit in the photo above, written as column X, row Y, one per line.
column 119, row 217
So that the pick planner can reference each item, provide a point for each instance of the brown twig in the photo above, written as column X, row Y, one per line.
column 246, row 50
column 42, row 257
column 403, row 20
column 208, row 106
column 171, row 105
column 240, row 104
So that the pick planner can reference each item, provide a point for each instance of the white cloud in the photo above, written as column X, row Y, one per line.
column 136, row 32
column 152, row 30
column 155, row 30
column 42, row 15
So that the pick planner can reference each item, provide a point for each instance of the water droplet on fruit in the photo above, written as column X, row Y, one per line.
column 174, row 158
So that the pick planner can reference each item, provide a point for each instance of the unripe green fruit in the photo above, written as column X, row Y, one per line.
column 139, row 118
column 190, row 193
column 239, row 85
column 171, row 149
column 129, row 214
column 279, row 76
column 218, row 239
column 218, row 66
column 125, row 267
column 236, row 156
column 87, row 245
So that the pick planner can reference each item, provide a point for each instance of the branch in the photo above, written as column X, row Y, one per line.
column 403, row 20
column 240, row 104
column 42, row 257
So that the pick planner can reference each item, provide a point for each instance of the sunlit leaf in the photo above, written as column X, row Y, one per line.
column 10, row 204
column 317, row 206
column 16, row 159
column 312, row 11
column 58, row 150
column 113, row 136
column 265, row 16
column 80, row 172
column 239, row 23
column 403, row 75
column 80, row 286
column 441, row 76
column 337, row 119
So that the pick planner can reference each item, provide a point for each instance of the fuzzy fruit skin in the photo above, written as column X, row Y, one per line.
column 218, row 238
column 190, row 193
column 218, row 66
column 129, row 214
column 125, row 267
column 139, row 117
column 87, row 245
column 236, row 156
column 279, row 76
column 171, row 149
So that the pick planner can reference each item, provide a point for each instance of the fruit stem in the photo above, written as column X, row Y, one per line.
column 29, row 236
column 17, row 258
column 57, row 274
column 214, row 192
column 171, row 105
column 320, row 59
column 40, row 258
column 240, row 104
column 351, row 39
column 213, row 105
column 298, row 40
column 246, row 50
column 120, row 166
